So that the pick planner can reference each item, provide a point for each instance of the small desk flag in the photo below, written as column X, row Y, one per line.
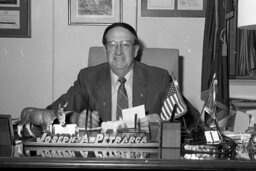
column 173, row 97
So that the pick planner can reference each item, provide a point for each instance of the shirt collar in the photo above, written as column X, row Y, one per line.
column 114, row 78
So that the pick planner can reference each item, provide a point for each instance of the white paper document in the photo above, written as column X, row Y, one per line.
column 129, row 115
column 212, row 137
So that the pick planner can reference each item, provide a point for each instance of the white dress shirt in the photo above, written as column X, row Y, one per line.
column 114, row 89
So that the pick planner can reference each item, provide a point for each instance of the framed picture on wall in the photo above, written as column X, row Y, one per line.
column 15, row 18
column 173, row 8
column 94, row 12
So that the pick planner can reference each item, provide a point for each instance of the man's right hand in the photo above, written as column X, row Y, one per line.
column 80, row 118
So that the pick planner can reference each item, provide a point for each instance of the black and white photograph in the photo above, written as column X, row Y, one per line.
column 128, row 85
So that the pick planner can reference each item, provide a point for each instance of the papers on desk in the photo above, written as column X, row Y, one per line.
column 129, row 115
column 237, row 137
column 243, row 120
column 212, row 137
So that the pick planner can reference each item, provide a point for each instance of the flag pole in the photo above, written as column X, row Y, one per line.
column 211, row 89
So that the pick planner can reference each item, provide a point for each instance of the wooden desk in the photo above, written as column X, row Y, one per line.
column 121, row 158
column 156, row 164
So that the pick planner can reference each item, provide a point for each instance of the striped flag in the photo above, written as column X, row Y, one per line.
column 173, row 97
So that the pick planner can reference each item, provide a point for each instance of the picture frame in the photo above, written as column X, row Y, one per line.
column 94, row 12
column 15, row 18
column 173, row 8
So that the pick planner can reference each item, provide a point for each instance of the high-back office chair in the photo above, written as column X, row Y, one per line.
column 161, row 57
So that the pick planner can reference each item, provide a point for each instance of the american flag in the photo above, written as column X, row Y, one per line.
column 173, row 97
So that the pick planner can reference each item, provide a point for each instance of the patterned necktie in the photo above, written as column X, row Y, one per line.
column 122, row 99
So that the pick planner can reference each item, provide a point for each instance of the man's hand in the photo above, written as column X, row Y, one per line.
column 149, row 118
column 80, row 118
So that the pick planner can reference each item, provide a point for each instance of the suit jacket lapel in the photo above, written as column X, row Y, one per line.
column 104, row 90
column 139, row 84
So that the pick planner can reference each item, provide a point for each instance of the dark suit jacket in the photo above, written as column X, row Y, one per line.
column 93, row 88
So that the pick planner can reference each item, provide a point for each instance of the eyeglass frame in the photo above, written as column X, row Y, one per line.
column 120, row 43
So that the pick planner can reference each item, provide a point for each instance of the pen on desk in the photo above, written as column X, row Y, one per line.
column 135, row 122
column 86, row 123
column 173, row 112
column 87, row 118
column 138, row 122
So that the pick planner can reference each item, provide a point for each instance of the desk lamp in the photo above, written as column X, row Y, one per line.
column 246, row 14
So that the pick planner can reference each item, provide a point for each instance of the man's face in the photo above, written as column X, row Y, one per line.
column 120, row 50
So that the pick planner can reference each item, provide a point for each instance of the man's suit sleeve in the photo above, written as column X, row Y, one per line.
column 75, row 96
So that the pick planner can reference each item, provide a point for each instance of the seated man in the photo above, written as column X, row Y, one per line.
column 97, row 87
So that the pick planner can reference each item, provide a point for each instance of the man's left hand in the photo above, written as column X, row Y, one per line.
column 149, row 118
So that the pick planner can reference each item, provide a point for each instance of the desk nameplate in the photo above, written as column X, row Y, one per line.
column 130, row 145
column 98, row 140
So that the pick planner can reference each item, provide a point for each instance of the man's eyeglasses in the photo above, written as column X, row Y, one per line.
column 125, row 44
